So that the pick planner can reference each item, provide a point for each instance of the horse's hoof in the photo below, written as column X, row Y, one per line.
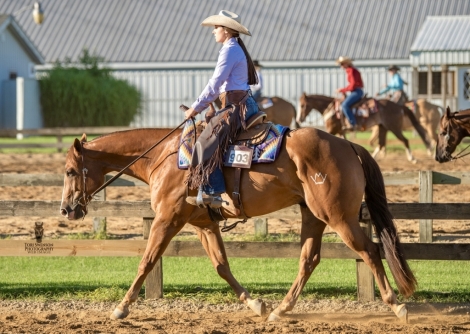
column 119, row 314
column 274, row 317
column 414, row 161
column 258, row 306
column 402, row 313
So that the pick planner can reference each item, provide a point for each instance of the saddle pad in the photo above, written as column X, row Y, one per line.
column 264, row 152
column 267, row 103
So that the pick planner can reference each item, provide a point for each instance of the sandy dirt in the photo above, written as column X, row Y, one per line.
column 163, row 316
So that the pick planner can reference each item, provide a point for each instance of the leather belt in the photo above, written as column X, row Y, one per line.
column 232, row 97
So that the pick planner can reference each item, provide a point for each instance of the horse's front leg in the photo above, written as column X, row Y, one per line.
column 213, row 244
column 161, row 233
column 311, row 234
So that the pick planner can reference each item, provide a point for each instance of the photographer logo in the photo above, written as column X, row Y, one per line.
column 38, row 247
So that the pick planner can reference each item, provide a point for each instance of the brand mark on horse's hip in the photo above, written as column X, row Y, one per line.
column 319, row 178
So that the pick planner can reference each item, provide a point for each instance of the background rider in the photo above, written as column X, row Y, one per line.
column 355, row 87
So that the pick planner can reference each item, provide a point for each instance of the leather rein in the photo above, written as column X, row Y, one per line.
column 85, row 199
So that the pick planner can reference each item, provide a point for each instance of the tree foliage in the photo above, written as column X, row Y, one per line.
column 86, row 94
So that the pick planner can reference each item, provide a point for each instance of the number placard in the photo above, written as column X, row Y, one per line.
column 238, row 156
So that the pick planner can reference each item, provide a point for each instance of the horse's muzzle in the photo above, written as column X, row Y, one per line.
column 441, row 158
column 72, row 213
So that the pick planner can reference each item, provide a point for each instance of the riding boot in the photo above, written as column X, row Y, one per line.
column 214, row 201
column 202, row 200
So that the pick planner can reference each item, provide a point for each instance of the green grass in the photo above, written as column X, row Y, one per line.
column 37, row 140
column 107, row 279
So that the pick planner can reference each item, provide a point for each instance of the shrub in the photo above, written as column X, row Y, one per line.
column 87, row 95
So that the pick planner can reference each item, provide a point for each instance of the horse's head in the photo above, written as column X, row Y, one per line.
column 304, row 108
column 80, row 181
column 451, row 133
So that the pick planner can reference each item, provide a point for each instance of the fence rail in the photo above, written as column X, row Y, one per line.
column 154, row 283
column 59, row 133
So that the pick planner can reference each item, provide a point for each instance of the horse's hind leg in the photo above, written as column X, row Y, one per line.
column 405, row 142
column 160, row 236
column 311, row 234
column 382, row 136
column 350, row 231
column 213, row 244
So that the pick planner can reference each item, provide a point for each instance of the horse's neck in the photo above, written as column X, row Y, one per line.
column 463, row 117
column 117, row 150
column 320, row 102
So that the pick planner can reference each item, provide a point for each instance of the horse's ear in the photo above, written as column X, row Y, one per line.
column 77, row 145
column 83, row 139
column 448, row 112
column 304, row 94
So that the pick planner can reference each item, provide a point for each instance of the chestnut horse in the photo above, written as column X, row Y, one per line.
column 389, row 117
column 281, row 112
column 453, row 128
column 327, row 176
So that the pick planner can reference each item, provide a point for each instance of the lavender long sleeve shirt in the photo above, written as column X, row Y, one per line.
column 231, row 73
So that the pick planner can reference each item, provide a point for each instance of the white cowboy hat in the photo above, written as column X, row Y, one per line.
column 343, row 60
column 226, row 19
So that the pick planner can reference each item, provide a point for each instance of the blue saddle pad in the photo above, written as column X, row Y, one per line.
column 265, row 152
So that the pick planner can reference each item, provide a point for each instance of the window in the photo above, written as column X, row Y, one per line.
column 436, row 83
column 466, row 85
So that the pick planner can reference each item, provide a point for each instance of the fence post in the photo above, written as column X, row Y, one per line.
column 59, row 141
column 261, row 227
column 425, row 196
column 365, row 277
column 99, row 223
column 154, row 280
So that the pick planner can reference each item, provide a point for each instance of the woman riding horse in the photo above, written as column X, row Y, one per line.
column 231, row 81
column 395, row 86
column 354, row 86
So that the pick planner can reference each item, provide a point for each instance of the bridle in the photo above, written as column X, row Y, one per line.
column 447, row 137
column 85, row 199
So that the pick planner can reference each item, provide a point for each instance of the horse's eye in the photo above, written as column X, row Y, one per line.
column 70, row 173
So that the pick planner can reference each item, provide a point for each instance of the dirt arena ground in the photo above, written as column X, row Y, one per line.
column 162, row 316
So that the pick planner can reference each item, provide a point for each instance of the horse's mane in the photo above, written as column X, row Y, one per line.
column 124, row 131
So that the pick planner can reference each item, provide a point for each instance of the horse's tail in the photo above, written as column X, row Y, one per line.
column 382, row 220
column 422, row 133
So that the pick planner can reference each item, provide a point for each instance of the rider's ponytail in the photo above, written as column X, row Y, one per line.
column 252, row 75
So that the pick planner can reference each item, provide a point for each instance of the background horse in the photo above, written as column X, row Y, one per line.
column 281, row 112
column 389, row 117
column 327, row 176
column 428, row 115
column 453, row 128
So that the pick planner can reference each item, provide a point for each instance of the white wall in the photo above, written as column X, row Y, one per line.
column 13, row 58
column 165, row 90
column 21, row 104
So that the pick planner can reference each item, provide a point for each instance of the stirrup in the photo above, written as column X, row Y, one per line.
column 203, row 200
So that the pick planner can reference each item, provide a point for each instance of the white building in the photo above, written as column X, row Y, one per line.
column 19, row 90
